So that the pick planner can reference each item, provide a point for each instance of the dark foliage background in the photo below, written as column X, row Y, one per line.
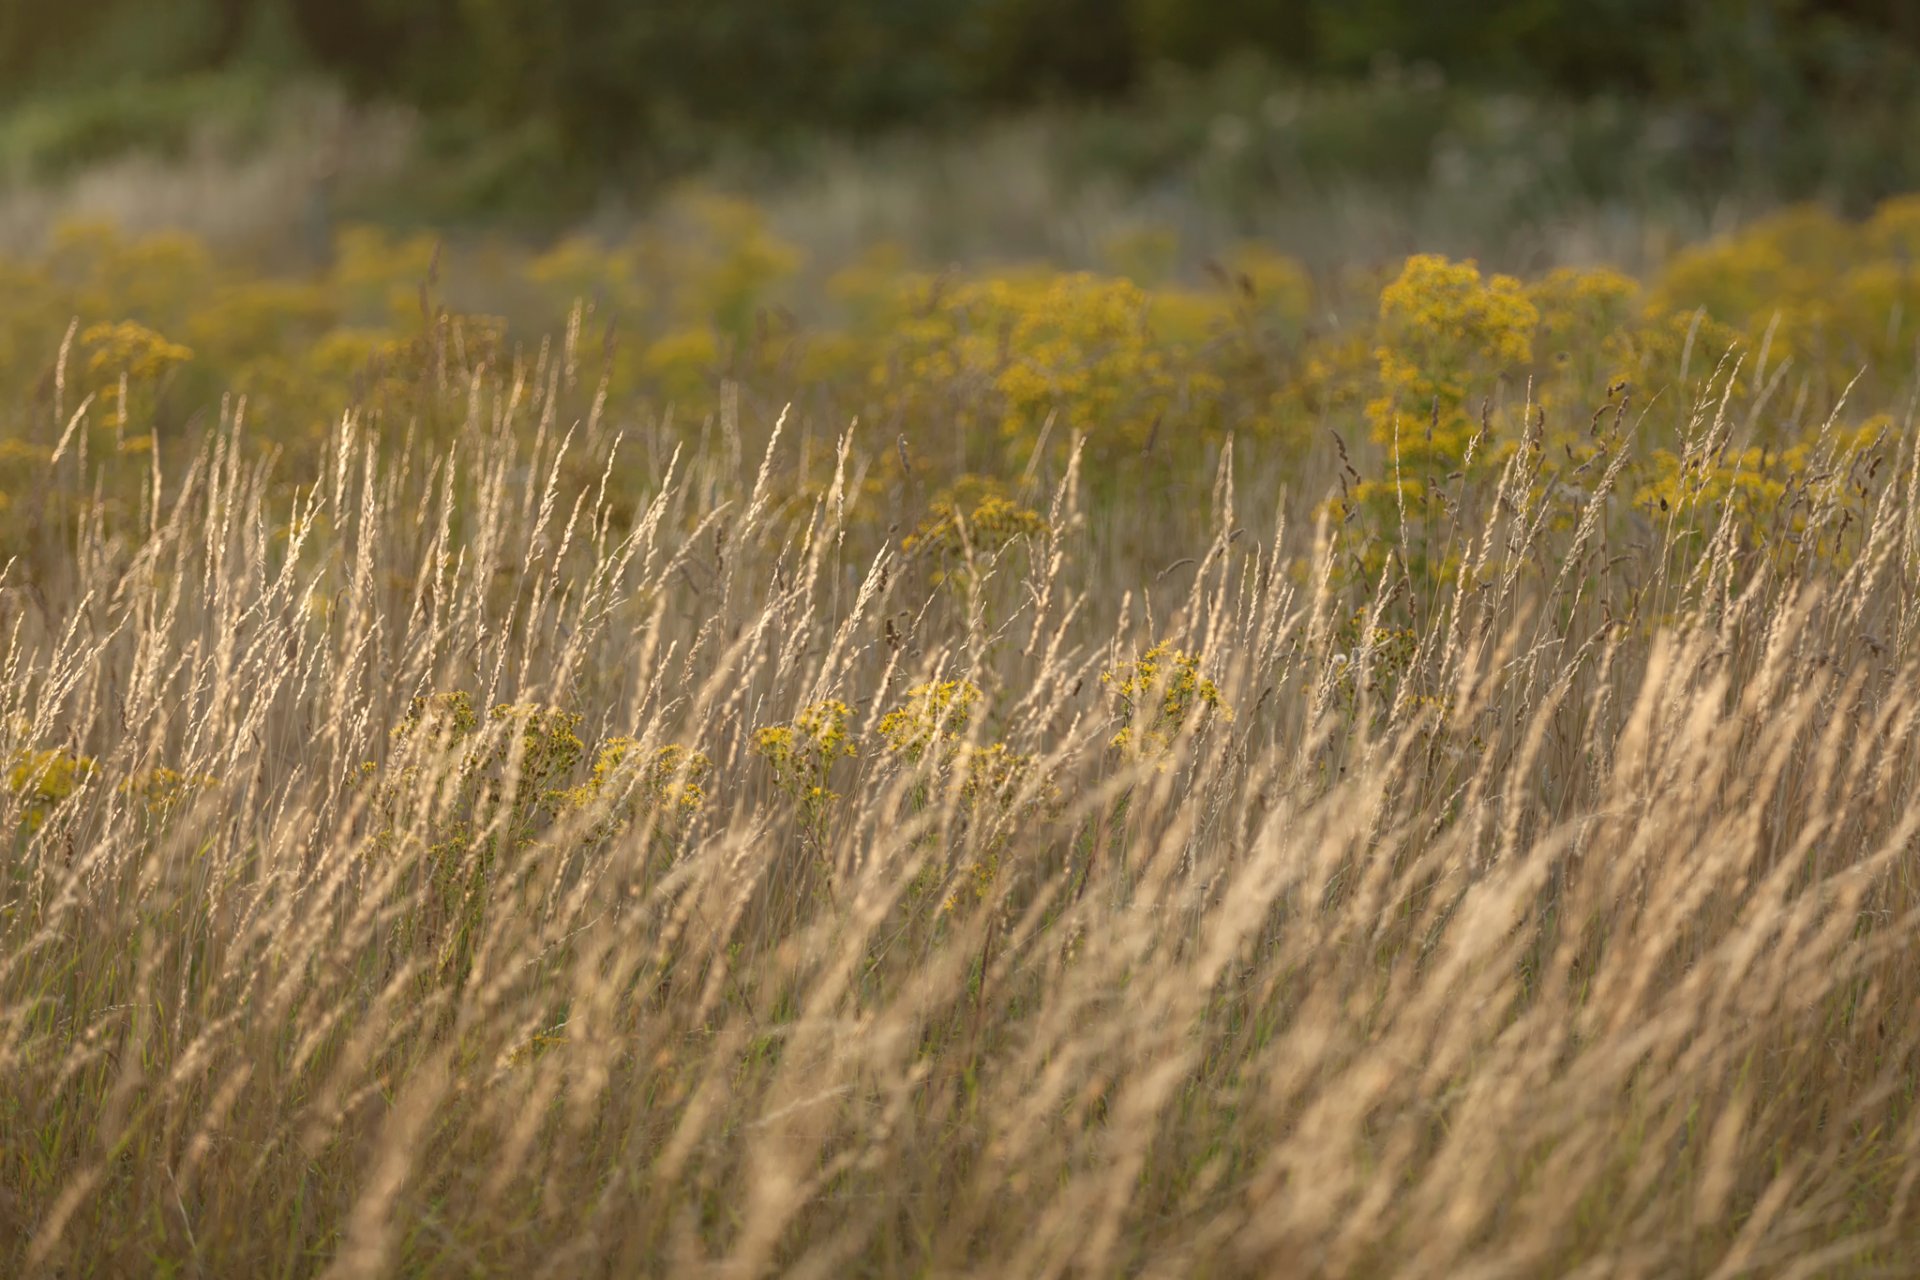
column 615, row 77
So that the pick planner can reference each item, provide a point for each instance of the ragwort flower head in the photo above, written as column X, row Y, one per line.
column 1445, row 331
column 669, row 780
column 128, row 358
column 995, row 521
column 549, row 740
column 42, row 780
column 933, row 713
column 803, row 752
column 1159, row 693
column 439, row 715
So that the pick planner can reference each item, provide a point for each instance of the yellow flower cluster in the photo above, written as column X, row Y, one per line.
column 668, row 780
column 163, row 790
column 549, row 741
column 674, row 776
column 545, row 742
column 1832, row 297
column 1159, row 694
column 1448, row 334
column 1434, row 373
column 442, row 716
column 1386, row 651
column 1019, row 355
column 935, row 713
column 994, row 522
column 132, row 349
column 700, row 297
column 997, row 781
column 624, row 784
column 41, row 780
column 1767, row 490
column 803, row 752
column 995, row 773
column 1080, row 348
column 128, row 358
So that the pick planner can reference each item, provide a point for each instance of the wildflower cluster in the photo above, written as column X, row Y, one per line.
column 460, row 770
column 1436, row 375
column 934, row 715
column 126, row 359
column 438, row 716
column 1588, row 321
column 1011, row 357
column 670, row 780
column 1159, row 694
column 673, row 776
column 994, row 522
column 1386, row 651
column 1784, row 501
column 545, row 741
column 161, row 791
column 997, row 782
column 1447, row 334
column 658, row 791
column 1830, row 297
column 41, row 780
column 1001, row 793
column 995, row 787
column 1079, row 347
column 802, row 753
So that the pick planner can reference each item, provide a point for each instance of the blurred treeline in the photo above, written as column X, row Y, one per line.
column 620, row 78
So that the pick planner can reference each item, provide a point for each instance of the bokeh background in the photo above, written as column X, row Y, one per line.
column 1523, row 131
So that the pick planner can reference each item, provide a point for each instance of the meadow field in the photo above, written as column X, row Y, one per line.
column 670, row 754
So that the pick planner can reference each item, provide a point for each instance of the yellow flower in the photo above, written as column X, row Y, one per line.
column 1159, row 693
column 685, row 362
column 936, row 712
column 128, row 353
column 1446, row 332
column 162, row 790
column 803, row 752
column 995, row 521
column 671, row 779
column 43, row 779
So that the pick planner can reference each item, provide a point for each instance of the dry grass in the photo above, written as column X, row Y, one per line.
column 1571, row 935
